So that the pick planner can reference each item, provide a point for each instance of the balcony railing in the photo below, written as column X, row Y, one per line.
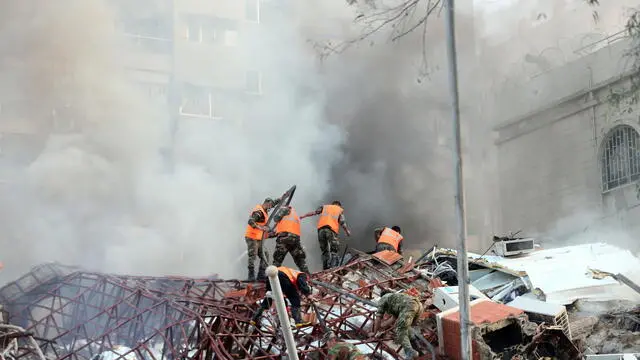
column 151, row 44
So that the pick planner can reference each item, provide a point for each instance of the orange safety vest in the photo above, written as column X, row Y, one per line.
column 291, row 274
column 388, row 236
column 253, row 233
column 330, row 216
column 289, row 223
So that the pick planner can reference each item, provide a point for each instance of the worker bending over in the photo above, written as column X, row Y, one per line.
column 339, row 350
column 292, row 283
column 407, row 310
column 288, row 238
column 253, row 236
column 389, row 239
column 329, row 222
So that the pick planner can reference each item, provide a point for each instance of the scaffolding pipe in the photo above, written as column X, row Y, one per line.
column 344, row 292
column 414, row 333
column 272, row 273
column 463, row 265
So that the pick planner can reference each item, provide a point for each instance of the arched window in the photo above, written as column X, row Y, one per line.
column 620, row 157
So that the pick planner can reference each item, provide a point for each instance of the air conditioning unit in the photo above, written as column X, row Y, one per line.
column 544, row 312
column 513, row 247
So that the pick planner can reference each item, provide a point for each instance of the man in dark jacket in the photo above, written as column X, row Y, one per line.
column 292, row 283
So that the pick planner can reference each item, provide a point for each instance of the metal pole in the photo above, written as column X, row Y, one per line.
column 272, row 273
column 463, row 266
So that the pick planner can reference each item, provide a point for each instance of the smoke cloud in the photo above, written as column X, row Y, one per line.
column 369, row 127
column 103, row 198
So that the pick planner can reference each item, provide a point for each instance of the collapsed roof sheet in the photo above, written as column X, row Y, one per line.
column 563, row 273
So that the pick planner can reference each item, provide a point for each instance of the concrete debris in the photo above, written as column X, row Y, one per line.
column 517, row 313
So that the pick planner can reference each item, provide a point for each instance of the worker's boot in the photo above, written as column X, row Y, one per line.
column 409, row 353
column 252, row 275
column 295, row 313
column 256, row 316
column 335, row 260
column 261, row 275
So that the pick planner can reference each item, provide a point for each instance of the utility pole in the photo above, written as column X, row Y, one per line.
column 285, row 326
column 463, row 266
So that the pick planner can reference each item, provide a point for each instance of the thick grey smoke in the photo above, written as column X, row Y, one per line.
column 394, row 105
column 397, row 159
column 103, row 198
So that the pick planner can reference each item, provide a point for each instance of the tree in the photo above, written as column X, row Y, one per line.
column 402, row 17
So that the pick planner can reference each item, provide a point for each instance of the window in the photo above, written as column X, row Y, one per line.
column 620, row 157
column 198, row 101
column 231, row 38
column 194, row 32
column 64, row 119
column 155, row 91
column 211, row 30
column 253, row 82
column 252, row 10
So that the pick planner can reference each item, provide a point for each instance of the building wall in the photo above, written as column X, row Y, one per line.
column 549, row 156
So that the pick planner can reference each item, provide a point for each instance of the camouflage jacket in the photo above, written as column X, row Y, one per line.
column 394, row 303
column 257, row 216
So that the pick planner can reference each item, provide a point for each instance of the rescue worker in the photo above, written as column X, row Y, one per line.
column 407, row 310
column 329, row 222
column 389, row 239
column 254, row 235
column 338, row 350
column 292, row 283
column 287, row 235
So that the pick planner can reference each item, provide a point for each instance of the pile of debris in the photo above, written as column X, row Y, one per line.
column 541, row 304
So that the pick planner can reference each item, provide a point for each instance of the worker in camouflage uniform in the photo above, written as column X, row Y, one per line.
column 329, row 222
column 338, row 350
column 389, row 239
column 253, row 236
column 287, row 235
column 407, row 310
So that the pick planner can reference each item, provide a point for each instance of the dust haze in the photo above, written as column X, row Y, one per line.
column 103, row 198
column 369, row 126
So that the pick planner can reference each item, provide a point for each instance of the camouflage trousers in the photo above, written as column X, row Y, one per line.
column 384, row 246
column 289, row 243
column 408, row 317
column 329, row 245
column 254, row 249
column 344, row 351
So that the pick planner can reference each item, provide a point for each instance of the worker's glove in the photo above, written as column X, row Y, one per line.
column 263, row 227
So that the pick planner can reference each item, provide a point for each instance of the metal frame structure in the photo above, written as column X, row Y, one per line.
column 80, row 315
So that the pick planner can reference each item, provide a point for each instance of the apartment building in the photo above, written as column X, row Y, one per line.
column 195, row 55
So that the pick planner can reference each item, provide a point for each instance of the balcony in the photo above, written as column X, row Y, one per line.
column 148, row 53
column 210, row 65
column 230, row 9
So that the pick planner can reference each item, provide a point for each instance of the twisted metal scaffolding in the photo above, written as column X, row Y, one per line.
column 80, row 315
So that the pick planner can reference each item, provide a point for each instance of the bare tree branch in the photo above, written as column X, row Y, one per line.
column 402, row 18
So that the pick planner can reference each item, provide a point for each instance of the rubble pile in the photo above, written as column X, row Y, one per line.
column 517, row 309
